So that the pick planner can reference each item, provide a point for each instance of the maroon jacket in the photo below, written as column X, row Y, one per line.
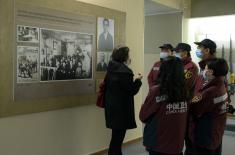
column 203, row 63
column 191, row 73
column 165, row 123
column 209, row 110
column 200, row 81
column 153, row 74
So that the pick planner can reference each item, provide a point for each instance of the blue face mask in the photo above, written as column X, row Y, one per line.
column 199, row 53
column 164, row 55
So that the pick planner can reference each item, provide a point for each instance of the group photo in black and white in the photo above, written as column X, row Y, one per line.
column 27, row 34
column 27, row 64
column 65, row 55
column 105, row 34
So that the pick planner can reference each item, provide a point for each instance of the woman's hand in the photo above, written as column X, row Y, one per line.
column 139, row 77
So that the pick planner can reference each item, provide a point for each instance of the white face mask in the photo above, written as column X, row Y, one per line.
column 177, row 55
column 207, row 77
column 164, row 55
column 204, row 75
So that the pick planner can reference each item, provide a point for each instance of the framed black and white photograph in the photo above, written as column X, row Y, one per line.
column 65, row 55
column 102, row 61
column 27, row 34
column 110, row 56
column 105, row 34
column 27, row 64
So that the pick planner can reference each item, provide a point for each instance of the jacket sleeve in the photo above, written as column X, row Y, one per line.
column 228, row 92
column 128, row 85
column 202, row 103
column 149, row 107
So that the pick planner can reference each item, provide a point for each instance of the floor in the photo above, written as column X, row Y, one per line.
column 228, row 146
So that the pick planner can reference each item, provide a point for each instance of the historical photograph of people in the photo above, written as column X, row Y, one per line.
column 27, row 64
column 27, row 34
column 105, row 34
column 65, row 55
column 102, row 61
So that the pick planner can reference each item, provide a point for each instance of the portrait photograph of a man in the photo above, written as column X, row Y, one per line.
column 105, row 34
column 102, row 61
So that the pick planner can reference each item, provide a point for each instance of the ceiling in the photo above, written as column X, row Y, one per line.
column 153, row 8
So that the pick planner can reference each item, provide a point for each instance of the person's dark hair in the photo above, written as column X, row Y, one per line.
column 188, row 54
column 105, row 20
column 172, row 80
column 120, row 54
column 219, row 67
column 212, row 50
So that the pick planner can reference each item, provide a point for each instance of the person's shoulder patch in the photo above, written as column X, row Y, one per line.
column 197, row 98
column 188, row 74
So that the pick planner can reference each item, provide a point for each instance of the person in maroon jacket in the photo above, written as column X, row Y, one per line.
column 165, row 111
column 166, row 50
column 182, row 51
column 209, row 108
column 206, row 51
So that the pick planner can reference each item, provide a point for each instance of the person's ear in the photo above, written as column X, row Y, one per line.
column 171, row 52
column 207, row 51
column 211, row 72
column 184, row 54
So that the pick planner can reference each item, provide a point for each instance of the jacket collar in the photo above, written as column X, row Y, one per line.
column 215, row 82
column 187, row 60
column 117, row 67
column 203, row 63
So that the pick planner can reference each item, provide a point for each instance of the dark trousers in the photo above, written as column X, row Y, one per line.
column 115, row 147
column 203, row 151
column 158, row 153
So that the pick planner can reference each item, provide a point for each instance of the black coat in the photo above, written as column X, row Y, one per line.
column 119, row 96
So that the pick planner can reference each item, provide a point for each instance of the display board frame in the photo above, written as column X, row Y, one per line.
column 17, row 102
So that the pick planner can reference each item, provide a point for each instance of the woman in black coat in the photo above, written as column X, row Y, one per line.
column 119, row 98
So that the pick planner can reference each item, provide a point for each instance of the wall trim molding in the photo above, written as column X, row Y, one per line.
column 163, row 13
column 101, row 152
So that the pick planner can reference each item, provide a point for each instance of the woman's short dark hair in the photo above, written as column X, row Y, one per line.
column 219, row 67
column 172, row 80
column 120, row 54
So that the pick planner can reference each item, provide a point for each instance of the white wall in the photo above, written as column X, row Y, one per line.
column 177, row 4
column 81, row 130
column 159, row 29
